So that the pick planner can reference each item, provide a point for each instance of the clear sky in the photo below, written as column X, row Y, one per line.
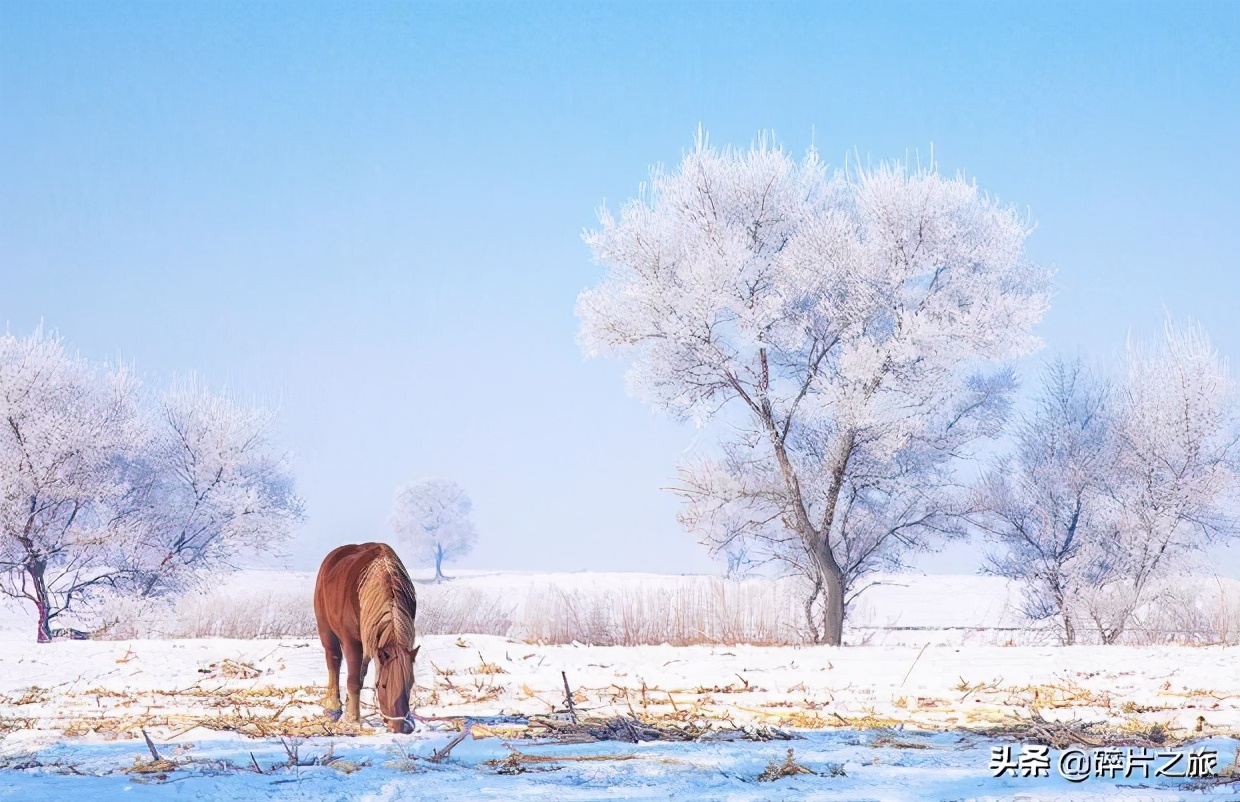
column 370, row 214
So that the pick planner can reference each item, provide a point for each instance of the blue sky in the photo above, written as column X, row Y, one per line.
column 370, row 214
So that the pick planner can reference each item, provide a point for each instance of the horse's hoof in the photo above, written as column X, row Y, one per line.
column 334, row 715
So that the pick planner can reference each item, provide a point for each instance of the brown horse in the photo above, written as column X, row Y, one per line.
column 364, row 604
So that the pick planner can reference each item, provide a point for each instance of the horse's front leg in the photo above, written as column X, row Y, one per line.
column 331, row 701
column 357, row 674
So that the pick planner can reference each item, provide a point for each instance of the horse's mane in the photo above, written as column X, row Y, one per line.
column 387, row 602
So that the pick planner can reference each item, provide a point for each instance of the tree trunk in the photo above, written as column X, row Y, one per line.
column 1069, row 632
column 832, row 574
column 831, row 578
column 1109, row 634
column 833, row 617
column 149, row 586
column 816, row 540
column 439, row 577
column 815, row 635
column 36, row 569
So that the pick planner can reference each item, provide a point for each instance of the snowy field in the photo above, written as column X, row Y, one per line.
column 902, row 719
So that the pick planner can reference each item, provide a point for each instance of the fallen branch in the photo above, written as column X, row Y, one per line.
column 516, row 756
column 440, row 755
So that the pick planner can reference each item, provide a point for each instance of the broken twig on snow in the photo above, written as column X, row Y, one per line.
column 568, row 697
column 151, row 745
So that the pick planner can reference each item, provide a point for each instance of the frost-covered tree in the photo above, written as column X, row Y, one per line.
column 213, row 486
column 67, row 429
column 431, row 519
column 104, row 488
column 849, row 329
column 1048, row 509
column 1177, row 467
column 1114, row 487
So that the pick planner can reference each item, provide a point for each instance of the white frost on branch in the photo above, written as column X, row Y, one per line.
column 215, row 488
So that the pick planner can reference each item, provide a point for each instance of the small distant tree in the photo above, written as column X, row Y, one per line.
column 213, row 487
column 1047, row 509
column 431, row 519
column 67, row 428
column 848, row 330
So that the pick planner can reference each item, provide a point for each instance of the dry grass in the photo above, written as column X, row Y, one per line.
column 790, row 768
column 1189, row 611
column 681, row 612
column 631, row 611
column 222, row 613
column 678, row 611
column 1055, row 711
column 448, row 608
column 1067, row 733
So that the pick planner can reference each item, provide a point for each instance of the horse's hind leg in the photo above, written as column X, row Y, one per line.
column 331, row 647
column 357, row 674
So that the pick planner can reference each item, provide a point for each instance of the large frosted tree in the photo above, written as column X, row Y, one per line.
column 431, row 519
column 850, row 329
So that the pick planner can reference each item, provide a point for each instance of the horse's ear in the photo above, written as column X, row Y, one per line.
column 413, row 653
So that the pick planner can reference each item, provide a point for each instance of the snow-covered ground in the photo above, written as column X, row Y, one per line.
column 900, row 720
column 866, row 765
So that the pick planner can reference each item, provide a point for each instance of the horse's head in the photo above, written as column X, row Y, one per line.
column 393, row 685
